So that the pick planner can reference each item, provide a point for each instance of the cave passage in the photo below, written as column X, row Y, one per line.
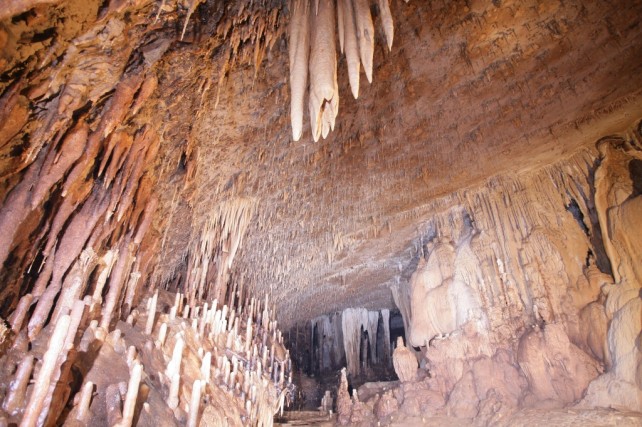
column 320, row 212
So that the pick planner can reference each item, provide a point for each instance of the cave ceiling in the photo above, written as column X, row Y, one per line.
column 470, row 90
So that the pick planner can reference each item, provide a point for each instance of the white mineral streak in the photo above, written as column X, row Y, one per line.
column 324, row 89
column 386, row 22
column 299, row 47
column 365, row 35
column 351, row 47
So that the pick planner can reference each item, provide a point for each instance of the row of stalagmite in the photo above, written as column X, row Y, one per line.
column 312, row 51
column 202, row 349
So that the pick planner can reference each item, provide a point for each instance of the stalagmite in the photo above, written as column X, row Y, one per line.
column 172, row 399
column 365, row 35
column 49, row 362
column 248, row 336
column 85, row 400
column 299, row 49
column 76, row 315
column 132, row 394
column 344, row 403
column 194, row 404
column 162, row 333
column 131, row 356
column 404, row 362
column 324, row 90
column 151, row 314
column 206, row 367
column 174, row 310
column 18, row 316
column 16, row 393
column 174, row 365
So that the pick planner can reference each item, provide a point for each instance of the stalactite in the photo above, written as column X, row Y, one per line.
column 373, row 325
column 352, row 322
column 16, row 394
column 114, row 113
column 340, row 26
column 107, row 262
column 365, row 35
column 59, row 162
column 16, row 207
column 324, row 90
column 299, row 49
column 68, row 250
column 351, row 46
column 115, row 284
column 75, row 283
column 386, row 21
column 356, row 38
column 385, row 316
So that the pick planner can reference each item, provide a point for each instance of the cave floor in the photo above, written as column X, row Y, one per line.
column 525, row 417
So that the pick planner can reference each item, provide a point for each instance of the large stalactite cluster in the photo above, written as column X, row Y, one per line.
column 312, row 48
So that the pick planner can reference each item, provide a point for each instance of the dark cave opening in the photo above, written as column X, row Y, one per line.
column 318, row 355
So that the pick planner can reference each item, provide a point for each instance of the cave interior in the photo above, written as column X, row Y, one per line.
column 328, row 212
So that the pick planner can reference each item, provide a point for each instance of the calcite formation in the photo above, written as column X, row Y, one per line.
column 486, row 190
column 312, row 52
column 210, row 353
column 405, row 362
